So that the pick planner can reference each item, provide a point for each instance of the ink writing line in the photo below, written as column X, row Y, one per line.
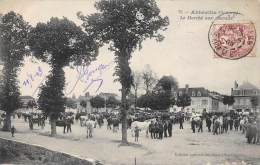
column 89, row 77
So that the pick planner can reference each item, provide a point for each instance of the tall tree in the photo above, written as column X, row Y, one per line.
column 125, row 25
column 59, row 42
column 149, row 79
column 137, row 79
column 97, row 102
column 13, row 41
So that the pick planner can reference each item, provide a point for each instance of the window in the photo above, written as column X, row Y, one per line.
column 243, row 102
column 180, row 93
column 204, row 102
column 199, row 94
column 175, row 94
column 247, row 102
column 193, row 93
column 238, row 101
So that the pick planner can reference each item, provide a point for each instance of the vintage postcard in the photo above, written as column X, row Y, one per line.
column 130, row 82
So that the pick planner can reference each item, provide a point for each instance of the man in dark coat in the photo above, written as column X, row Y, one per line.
column 200, row 123
column 156, row 130
column 181, row 121
column 231, row 122
column 258, row 129
column 193, row 125
column 160, row 129
column 165, row 128
column 236, row 124
column 170, row 128
column 208, row 123
column 151, row 129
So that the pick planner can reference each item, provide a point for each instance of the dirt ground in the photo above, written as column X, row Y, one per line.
column 183, row 148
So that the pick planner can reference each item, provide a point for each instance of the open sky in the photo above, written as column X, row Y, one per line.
column 185, row 53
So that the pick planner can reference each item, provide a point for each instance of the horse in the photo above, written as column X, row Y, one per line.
column 251, row 132
column 243, row 124
column 221, row 124
column 90, row 125
column 26, row 116
column 1, row 120
column 82, row 120
column 65, row 123
column 216, row 126
column 143, row 126
column 109, row 123
column 115, row 122
column 39, row 120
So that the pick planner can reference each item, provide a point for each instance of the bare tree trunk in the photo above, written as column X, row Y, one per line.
column 53, row 127
column 7, row 122
column 124, row 116
column 135, row 97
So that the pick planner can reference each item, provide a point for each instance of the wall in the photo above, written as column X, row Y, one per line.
column 18, row 152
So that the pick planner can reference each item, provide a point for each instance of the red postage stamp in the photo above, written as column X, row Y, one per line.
column 232, row 40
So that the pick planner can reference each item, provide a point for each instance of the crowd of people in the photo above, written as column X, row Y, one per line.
column 219, row 124
column 162, row 127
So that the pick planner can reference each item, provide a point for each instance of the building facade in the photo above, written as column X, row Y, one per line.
column 243, row 95
column 85, row 98
column 25, row 100
column 202, row 99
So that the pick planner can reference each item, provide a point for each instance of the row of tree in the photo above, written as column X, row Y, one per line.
column 159, row 93
column 100, row 102
column 123, row 25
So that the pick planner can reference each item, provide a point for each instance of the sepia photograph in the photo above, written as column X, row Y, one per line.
column 129, row 82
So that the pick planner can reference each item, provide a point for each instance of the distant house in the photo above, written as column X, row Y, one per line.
column 85, row 98
column 201, row 99
column 243, row 95
column 107, row 95
column 25, row 99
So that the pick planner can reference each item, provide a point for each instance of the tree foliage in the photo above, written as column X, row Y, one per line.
column 13, row 41
column 167, row 83
column 149, row 79
column 255, row 100
column 83, row 103
column 112, row 102
column 183, row 101
column 71, row 103
column 31, row 104
column 97, row 102
column 156, row 101
column 228, row 100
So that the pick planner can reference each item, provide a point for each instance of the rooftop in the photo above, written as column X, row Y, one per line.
column 247, row 85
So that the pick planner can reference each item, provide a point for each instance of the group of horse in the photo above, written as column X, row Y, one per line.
column 1, row 119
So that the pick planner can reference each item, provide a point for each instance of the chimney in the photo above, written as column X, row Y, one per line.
column 186, row 88
column 235, row 85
